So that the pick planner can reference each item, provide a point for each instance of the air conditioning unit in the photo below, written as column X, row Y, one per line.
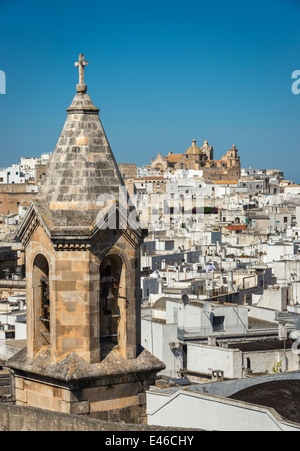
column 174, row 344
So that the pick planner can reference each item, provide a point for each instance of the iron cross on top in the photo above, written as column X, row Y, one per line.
column 81, row 65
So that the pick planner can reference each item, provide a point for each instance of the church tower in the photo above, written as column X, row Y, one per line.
column 82, row 247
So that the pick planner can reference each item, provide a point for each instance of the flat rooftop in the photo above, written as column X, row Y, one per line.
column 270, row 345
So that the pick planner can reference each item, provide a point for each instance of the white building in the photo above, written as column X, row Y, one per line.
column 12, row 174
column 280, row 250
column 24, row 171
column 182, row 188
column 170, row 322
column 211, row 407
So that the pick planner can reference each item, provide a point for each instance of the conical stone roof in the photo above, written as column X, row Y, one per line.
column 82, row 168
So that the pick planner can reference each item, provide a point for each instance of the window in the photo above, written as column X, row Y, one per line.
column 112, row 304
column 218, row 323
column 285, row 220
column 41, row 300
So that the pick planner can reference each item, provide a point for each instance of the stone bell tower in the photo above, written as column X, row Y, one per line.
column 82, row 250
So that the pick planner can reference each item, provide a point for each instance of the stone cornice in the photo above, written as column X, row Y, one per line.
column 71, row 246
column 74, row 369
column 28, row 226
column 79, row 238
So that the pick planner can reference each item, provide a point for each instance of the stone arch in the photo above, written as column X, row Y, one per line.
column 159, row 167
column 113, row 304
column 41, row 301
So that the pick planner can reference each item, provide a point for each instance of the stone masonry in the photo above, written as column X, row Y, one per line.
column 83, row 352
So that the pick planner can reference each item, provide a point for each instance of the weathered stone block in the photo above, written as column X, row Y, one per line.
column 19, row 383
column 80, row 408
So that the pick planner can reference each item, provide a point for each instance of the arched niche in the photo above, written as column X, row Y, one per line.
column 112, row 305
column 41, row 301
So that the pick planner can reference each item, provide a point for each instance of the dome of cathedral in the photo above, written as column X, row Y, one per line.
column 194, row 150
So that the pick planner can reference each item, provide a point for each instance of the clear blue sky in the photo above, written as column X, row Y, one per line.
column 162, row 73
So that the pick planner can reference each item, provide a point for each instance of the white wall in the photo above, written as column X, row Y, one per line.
column 185, row 409
column 155, row 337
column 276, row 252
column 286, row 270
column 20, row 331
column 265, row 360
column 11, row 318
column 203, row 359
column 7, row 351
column 3, row 176
column 264, row 314
column 274, row 298
column 14, row 174
column 298, row 215
column 295, row 190
column 193, row 317
column 29, row 163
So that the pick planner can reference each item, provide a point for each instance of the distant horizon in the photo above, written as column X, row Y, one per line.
column 147, row 164
column 163, row 73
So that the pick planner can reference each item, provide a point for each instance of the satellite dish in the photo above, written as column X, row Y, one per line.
column 207, row 308
column 210, row 268
column 185, row 299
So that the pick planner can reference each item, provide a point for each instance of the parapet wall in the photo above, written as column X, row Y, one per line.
column 26, row 419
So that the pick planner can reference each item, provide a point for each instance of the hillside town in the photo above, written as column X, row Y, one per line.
column 219, row 280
